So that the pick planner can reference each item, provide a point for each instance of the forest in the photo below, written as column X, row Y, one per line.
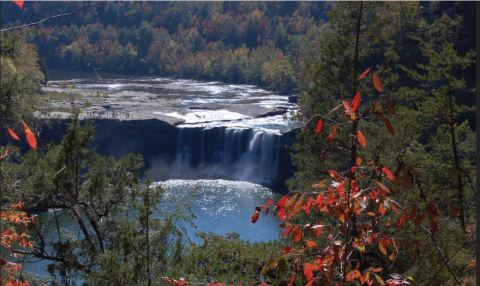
column 381, row 187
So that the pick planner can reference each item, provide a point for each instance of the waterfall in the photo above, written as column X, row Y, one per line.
column 227, row 153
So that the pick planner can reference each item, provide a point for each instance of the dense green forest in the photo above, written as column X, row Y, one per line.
column 416, row 112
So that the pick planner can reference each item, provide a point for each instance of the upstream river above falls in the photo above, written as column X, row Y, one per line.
column 229, row 151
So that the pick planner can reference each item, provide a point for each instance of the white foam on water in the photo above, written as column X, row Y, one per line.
column 203, row 116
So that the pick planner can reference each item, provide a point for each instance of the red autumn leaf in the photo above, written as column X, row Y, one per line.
column 361, row 139
column 282, row 215
column 319, row 127
column 332, row 135
column 287, row 249
column 364, row 73
column 411, row 216
column 292, row 280
column 13, row 134
column 308, row 205
column 401, row 221
column 281, row 203
column 311, row 244
column 389, row 126
column 377, row 82
column 32, row 141
column 308, row 271
column 341, row 189
column 287, row 231
column 388, row 173
column 319, row 200
column 356, row 101
column 317, row 230
column 19, row 3
column 269, row 202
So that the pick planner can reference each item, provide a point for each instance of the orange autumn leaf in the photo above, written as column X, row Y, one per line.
column 365, row 278
column 255, row 217
column 381, row 209
column 358, row 161
column 332, row 135
column 297, row 235
column 356, row 101
column 311, row 244
column 19, row 3
column 383, row 244
column 13, row 134
column 377, row 82
column 319, row 127
column 353, row 275
column 32, row 141
column 342, row 216
column 361, row 139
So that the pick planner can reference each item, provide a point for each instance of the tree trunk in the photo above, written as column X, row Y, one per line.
column 351, row 222
column 456, row 161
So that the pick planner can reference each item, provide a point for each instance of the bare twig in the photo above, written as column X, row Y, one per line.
column 442, row 256
column 45, row 19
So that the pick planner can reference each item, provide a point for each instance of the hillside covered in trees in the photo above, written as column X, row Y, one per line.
column 238, row 42
column 384, row 181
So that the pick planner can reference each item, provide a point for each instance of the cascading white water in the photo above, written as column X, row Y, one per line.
column 230, row 153
column 261, row 157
